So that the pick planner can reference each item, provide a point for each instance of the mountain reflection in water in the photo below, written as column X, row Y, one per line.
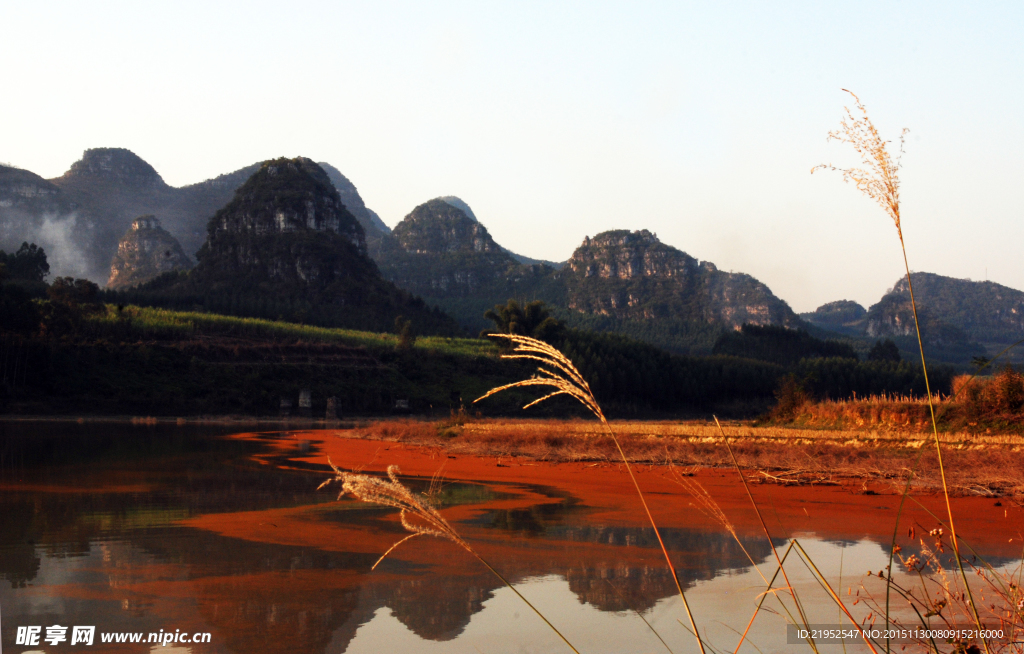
column 162, row 527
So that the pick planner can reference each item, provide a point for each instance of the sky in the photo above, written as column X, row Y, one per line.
column 558, row 120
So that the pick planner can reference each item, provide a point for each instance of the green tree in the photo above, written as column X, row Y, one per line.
column 70, row 300
column 406, row 336
column 17, row 311
column 28, row 263
column 73, row 292
column 779, row 344
column 885, row 351
column 532, row 320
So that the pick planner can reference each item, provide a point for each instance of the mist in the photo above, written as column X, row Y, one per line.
column 64, row 238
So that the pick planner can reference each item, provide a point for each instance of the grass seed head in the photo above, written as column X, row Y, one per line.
column 417, row 514
column 879, row 178
column 556, row 371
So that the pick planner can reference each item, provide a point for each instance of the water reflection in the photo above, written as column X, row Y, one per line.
column 142, row 529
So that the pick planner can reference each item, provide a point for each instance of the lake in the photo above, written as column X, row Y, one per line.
column 190, row 529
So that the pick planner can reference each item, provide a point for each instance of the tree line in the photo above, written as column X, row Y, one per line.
column 747, row 366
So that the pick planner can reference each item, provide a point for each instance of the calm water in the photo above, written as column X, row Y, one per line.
column 143, row 529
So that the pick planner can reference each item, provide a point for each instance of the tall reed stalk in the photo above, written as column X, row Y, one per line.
column 562, row 376
column 879, row 180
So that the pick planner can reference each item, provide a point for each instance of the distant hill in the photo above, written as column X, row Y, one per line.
column 144, row 253
column 373, row 226
column 287, row 246
column 80, row 217
column 633, row 275
column 443, row 255
column 985, row 311
column 960, row 318
column 619, row 281
column 842, row 316
column 461, row 205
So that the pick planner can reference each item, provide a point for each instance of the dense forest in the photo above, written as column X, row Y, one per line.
column 377, row 313
column 69, row 349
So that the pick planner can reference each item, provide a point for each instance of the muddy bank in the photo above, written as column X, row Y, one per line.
column 848, row 510
column 986, row 465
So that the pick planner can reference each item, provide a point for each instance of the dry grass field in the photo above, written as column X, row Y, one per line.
column 977, row 464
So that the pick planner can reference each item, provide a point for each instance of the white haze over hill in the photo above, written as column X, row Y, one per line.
column 56, row 235
column 60, row 236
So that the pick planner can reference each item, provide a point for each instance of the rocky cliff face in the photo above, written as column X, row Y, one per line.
column 287, row 223
column 633, row 275
column 286, row 246
column 144, row 253
column 950, row 308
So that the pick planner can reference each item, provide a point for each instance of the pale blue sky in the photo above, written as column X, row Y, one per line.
column 557, row 120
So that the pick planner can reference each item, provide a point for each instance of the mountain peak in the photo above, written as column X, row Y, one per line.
column 350, row 197
column 623, row 254
column 118, row 165
column 624, row 237
column 438, row 226
column 287, row 195
column 459, row 204
column 633, row 275
column 145, row 252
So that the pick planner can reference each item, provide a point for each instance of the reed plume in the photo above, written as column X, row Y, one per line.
column 557, row 372
column 879, row 180
column 394, row 494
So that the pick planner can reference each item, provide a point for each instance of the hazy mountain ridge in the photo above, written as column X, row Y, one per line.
column 841, row 316
column 960, row 318
column 438, row 251
column 373, row 226
column 36, row 210
column 286, row 246
column 22, row 188
column 458, row 203
column 443, row 252
column 80, row 217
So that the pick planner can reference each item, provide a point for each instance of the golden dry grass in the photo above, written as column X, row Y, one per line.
column 978, row 407
column 979, row 464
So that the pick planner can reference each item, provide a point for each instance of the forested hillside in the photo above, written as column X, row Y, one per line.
column 286, row 246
